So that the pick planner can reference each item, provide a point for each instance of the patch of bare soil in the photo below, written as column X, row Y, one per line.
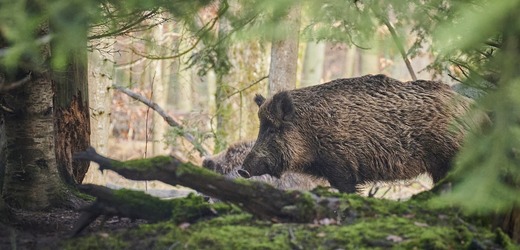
column 47, row 229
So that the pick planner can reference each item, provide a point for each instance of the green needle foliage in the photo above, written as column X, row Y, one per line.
column 488, row 168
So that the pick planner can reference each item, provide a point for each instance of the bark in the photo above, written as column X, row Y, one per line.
column 260, row 199
column 28, row 173
column 29, row 159
column 284, row 56
column 510, row 223
column 71, row 114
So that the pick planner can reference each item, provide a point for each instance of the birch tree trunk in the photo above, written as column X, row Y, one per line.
column 100, row 77
column 284, row 55
column 160, row 92
column 313, row 64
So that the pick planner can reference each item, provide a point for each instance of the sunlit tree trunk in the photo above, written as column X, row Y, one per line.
column 100, row 77
column 222, row 106
column 313, row 63
column 284, row 55
column 160, row 90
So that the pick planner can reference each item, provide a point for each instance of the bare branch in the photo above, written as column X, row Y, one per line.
column 4, row 87
column 204, row 29
column 169, row 119
column 125, row 28
column 397, row 42
column 249, row 86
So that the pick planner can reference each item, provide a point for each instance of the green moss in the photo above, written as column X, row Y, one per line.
column 504, row 240
column 193, row 169
column 102, row 241
column 142, row 163
column 366, row 224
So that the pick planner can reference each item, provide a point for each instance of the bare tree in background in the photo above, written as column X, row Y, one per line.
column 284, row 54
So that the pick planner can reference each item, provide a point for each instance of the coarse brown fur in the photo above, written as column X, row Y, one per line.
column 358, row 130
column 230, row 160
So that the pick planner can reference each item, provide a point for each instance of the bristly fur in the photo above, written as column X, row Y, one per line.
column 357, row 130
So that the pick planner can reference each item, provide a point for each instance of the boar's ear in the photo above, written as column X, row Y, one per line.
column 259, row 99
column 283, row 106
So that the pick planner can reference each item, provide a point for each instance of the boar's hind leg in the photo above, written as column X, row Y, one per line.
column 439, row 172
column 342, row 184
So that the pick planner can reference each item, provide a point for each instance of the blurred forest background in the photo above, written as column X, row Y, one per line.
column 162, row 59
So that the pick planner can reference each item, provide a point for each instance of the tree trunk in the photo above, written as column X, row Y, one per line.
column 222, row 106
column 160, row 90
column 101, row 73
column 313, row 64
column 284, row 56
column 71, row 116
column 43, row 123
column 31, row 172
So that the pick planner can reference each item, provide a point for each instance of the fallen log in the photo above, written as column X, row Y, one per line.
column 257, row 198
column 138, row 205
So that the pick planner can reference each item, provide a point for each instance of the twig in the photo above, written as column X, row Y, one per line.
column 9, row 86
column 170, row 120
column 249, row 86
column 397, row 42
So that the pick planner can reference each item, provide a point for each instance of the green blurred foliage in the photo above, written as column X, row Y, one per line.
column 26, row 26
column 487, row 176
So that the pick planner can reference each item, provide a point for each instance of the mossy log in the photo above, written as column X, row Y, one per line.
column 138, row 205
column 259, row 199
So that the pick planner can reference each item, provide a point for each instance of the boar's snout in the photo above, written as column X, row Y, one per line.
column 209, row 164
column 244, row 173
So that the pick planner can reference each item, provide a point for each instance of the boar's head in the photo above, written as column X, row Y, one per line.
column 280, row 145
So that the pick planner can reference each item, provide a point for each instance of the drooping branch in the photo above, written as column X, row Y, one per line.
column 4, row 87
column 249, row 86
column 259, row 199
column 169, row 119
column 397, row 41
column 400, row 46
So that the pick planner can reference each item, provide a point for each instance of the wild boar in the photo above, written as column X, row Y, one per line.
column 358, row 130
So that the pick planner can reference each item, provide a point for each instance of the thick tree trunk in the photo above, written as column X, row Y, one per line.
column 72, row 121
column 284, row 56
column 43, row 122
column 31, row 173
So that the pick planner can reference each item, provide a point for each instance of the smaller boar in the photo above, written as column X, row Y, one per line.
column 359, row 130
column 230, row 160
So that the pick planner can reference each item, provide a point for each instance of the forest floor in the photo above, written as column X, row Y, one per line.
column 48, row 229
column 365, row 223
